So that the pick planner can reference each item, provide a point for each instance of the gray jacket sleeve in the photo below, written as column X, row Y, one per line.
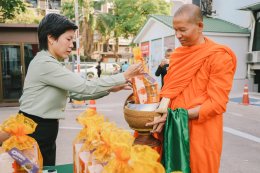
column 55, row 75
column 95, row 96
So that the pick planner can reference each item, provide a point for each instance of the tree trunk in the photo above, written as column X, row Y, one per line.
column 87, row 39
column 116, row 49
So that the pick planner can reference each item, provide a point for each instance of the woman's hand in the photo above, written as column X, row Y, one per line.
column 158, row 124
column 126, row 86
column 134, row 70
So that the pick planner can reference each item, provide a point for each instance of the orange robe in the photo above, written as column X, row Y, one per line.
column 202, row 75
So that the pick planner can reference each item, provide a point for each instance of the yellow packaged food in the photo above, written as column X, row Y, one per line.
column 20, row 153
column 145, row 87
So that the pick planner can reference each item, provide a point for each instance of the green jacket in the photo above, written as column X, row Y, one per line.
column 47, row 86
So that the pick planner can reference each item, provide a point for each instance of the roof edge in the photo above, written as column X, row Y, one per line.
column 11, row 25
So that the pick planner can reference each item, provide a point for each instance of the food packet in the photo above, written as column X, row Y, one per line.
column 23, row 151
column 86, row 142
column 145, row 87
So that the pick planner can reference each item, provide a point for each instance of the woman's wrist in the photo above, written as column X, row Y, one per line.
column 126, row 75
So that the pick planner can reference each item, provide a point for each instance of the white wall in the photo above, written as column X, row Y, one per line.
column 156, row 58
column 156, row 30
column 240, row 46
column 228, row 10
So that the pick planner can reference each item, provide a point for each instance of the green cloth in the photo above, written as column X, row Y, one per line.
column 176, row 146
column 68, row 168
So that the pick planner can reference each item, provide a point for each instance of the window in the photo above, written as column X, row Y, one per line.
column 54, row 4
column 256, row 41
column 196, row 2
column 30, row 50
column 107, row 48
column 33, row 3
column 11, row 71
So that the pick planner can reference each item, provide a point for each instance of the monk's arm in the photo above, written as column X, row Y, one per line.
column 221, row 73
column 193, row 113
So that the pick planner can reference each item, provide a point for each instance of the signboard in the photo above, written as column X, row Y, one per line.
column 145, row 49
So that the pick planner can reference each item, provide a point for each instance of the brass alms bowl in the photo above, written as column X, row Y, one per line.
column 136, row 120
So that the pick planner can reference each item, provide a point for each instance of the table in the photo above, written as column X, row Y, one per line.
column 68, row 168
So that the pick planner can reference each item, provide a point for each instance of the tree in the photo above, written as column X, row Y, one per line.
column 67, row 9
column 8, row 9
column 87, row 22
column 131, row 16
column 105, row 25
column 27, row 17
column 127, row 18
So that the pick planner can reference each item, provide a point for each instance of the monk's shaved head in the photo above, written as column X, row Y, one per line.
column 192, row 11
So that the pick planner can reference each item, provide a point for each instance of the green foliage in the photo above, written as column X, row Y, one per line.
column 105, row 23
column 27, row 17
column 67, row 9
column 126, row 20
column 9, row 8
column 132, row 15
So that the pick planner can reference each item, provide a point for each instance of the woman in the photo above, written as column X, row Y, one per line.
column 47, row 83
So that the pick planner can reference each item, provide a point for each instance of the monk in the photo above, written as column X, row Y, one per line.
column 199, row 79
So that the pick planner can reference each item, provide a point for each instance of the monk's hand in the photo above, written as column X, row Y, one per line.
column 163, row 106
column 158, row 123
column 193, row 113
column 126, row 86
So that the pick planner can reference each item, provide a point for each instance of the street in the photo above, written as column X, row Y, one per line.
column 241, row 149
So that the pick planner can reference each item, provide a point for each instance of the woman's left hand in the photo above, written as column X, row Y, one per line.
column 117, row 88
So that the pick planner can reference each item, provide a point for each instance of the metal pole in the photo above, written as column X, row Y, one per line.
column 77, row 34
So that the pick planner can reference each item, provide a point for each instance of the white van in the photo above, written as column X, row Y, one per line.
column 110, row 68
column 89, row 71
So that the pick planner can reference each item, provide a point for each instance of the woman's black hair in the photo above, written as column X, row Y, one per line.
column 54, row 25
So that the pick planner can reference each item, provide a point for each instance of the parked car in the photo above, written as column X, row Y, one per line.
column 89, row 71
column 110, row 68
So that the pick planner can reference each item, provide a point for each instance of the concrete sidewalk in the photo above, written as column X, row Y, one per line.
column 238, row 116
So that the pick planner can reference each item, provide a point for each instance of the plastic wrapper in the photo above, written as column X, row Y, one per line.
column 145, row 87
column 101, row 147
column 20, row 153
column 86, row 142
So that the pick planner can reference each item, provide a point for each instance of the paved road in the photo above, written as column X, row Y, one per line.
column 241, row 148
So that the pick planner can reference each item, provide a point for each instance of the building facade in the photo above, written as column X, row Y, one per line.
column 158, row 35
column 18, row 46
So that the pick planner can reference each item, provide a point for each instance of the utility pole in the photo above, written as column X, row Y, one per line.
column 77, row 34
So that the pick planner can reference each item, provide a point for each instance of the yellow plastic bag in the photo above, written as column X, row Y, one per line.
column 19, row 127
column 87, row 140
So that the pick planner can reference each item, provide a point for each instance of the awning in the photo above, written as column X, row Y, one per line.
column 252, row 7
